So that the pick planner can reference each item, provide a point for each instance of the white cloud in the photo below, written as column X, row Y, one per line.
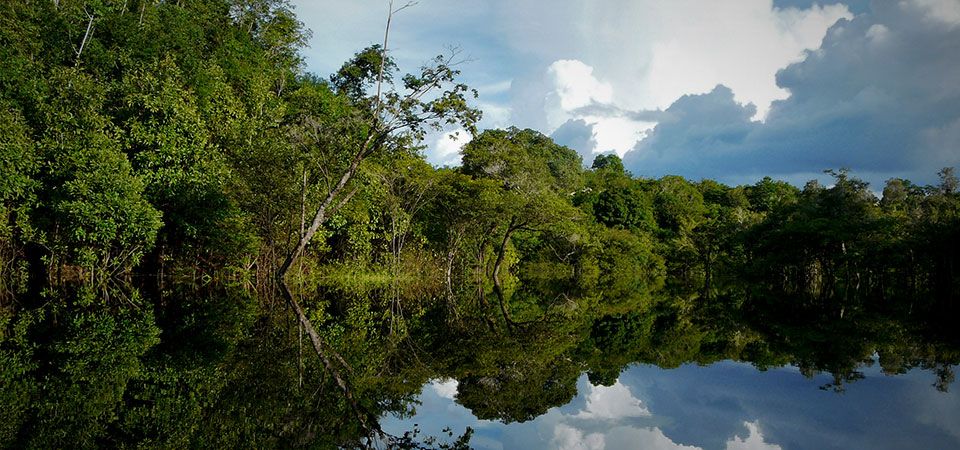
column 943, row 11
column 645, row 54
column 652, row 52
column 445, row 150
column 753, row 441
column 566, row 437
column 612, row 407
column 445, row 388
column 613, row 402
column 624, row 438
column 494, row 115
column 574, row 86
column 879, row 96
column 617, row 134
column 877, row 32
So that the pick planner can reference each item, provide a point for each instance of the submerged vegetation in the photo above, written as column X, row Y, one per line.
column 143, row 143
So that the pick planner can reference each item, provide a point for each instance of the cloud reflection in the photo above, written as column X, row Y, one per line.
column 722, row 406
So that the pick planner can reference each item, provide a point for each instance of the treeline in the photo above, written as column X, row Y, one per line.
column 143, row 135
column 138, row 133
column 157, row 138
column 136, row 129
column 217, row 367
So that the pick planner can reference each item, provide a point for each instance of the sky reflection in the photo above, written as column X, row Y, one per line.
column 727, row 405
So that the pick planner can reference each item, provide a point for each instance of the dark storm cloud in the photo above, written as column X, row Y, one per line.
column 578, row 135
column 609, row 110
column 706, row 406
column 881, row 96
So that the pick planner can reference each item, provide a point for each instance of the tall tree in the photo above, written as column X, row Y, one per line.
column 537, row 177
column 390, row 116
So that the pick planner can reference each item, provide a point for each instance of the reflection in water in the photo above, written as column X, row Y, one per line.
column 725, row 405
column 525, row 366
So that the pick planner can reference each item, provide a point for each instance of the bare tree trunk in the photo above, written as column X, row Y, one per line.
column 502, row 250
column 86, row 36
column 322, row 212
column 367, row 421
column 300, row 354
column 303, row 203
column 303, row 217
column 451, row 255
column 504, row 310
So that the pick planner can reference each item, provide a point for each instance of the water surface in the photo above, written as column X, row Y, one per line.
column 525, row 367
column 725, row 405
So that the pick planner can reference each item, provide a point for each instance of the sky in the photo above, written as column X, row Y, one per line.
column 726, row 89
column 726, row 405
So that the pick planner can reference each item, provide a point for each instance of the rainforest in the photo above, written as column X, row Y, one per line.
column 202, row 244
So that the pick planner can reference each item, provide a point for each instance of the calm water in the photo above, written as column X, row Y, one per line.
column 526, row 368
column 725, row 405
column 728, row 371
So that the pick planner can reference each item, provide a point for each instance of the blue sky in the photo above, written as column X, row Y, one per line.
column 725, row 89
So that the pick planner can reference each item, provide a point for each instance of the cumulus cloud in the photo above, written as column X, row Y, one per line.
column 566, row 437
column 612, row 402
column 445, row 388
column 579, row 112
column 879, row 96
column 578, row 103
column 641, row 438
column 753, row 441
column 944, row 11
column 601, row 417
column 574, row 86
column 711, row 122
column 612, row 407
column 653, row 52
column 617, row 134
column 728, row 89
column 740, row 44
column 569, row 102
column 643, row 55
column 446, row 149
column 578, row 135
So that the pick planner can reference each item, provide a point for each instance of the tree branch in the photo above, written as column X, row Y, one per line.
column 343, row 201
column 318, row 345
column 86, row 36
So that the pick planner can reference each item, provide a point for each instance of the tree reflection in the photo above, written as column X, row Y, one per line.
column 219, row 366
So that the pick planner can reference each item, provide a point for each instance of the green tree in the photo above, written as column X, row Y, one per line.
column 390, row 118
column 537, row 177
column 94, row 212
column 185, row 175
column 18, row 167
column 679, row 209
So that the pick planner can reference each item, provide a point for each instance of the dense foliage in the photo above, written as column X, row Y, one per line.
column 148, row 138
column 136, row 134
